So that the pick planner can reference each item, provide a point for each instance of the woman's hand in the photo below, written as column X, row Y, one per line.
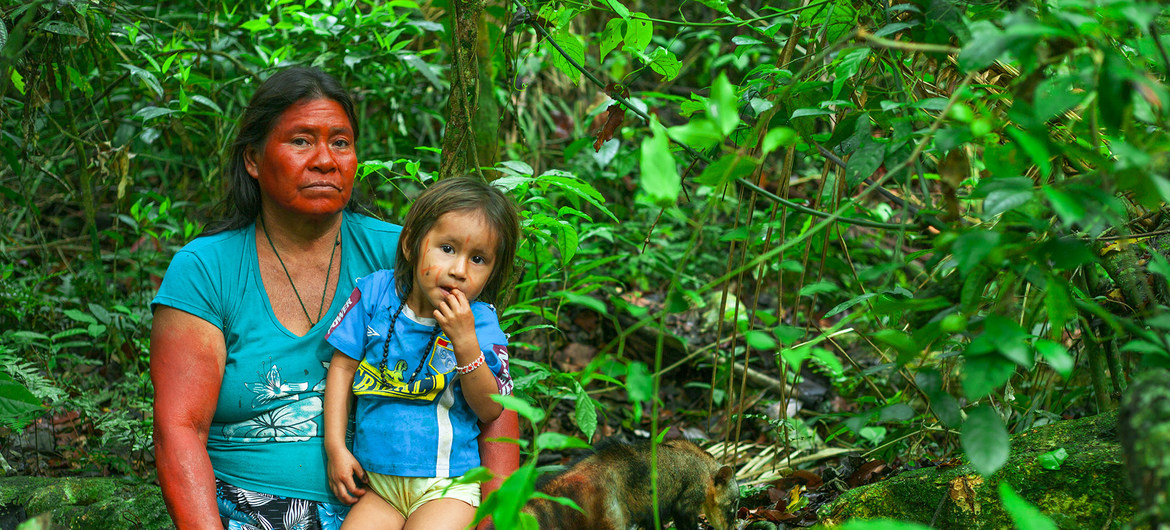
column 343, row 467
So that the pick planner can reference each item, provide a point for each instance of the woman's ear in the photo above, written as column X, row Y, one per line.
column 250, row 162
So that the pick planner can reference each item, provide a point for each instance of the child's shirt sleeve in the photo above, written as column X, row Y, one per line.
column 494, row 344
column 347, row 333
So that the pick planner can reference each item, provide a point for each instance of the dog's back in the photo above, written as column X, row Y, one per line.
column 613, row 488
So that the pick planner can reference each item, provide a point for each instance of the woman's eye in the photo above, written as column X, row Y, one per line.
column 341, row 144
column 300, row 141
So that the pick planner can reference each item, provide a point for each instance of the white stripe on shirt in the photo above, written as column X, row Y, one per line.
column 445, row 434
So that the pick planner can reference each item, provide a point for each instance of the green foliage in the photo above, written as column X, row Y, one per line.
column 961, row 241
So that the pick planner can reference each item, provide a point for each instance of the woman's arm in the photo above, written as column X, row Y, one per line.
column 342, row 466
column 187, row 356
column 501, row 457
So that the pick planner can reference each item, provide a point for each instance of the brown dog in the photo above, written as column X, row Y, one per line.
column 612, row 486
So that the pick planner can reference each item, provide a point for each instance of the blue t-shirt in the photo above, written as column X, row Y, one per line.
column 405, row 428
column 267, row 433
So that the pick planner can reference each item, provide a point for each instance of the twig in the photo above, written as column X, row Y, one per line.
column 907, row 46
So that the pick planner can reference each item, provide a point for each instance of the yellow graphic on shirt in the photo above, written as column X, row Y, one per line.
column 372, row 381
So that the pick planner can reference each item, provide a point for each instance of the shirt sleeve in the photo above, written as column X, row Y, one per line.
column 347, row 333
column 494, row 345
column 188, row 286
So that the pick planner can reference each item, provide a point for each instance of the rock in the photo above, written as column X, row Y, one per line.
column 98, row 503
column 1089, row 489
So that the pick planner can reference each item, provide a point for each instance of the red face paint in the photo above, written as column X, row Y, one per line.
column 458, row 252
column 307, row 164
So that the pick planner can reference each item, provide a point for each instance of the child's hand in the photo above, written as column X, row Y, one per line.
column 455, row 317
column 342, row 468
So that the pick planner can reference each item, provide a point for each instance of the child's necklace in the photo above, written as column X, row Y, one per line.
column 328, row 273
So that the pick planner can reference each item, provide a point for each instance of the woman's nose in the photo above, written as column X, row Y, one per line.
column 323, row 159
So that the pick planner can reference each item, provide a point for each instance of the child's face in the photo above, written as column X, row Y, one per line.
column 457, row 253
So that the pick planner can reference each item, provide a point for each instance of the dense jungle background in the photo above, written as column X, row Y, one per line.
column 835, row 241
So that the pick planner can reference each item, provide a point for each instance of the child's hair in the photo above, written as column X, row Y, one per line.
column 459, row 194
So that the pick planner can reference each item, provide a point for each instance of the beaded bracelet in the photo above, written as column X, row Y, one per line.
column 464, row 370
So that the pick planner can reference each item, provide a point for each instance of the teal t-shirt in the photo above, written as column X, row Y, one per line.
column 267, row 434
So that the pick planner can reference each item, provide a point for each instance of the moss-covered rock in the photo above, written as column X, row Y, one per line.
column 99, row 503
column 1089, row 489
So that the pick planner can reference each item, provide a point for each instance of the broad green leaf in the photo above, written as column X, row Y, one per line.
column 17, row 80
column 722, row 107
column 972, row 247
column 779, row 137
column 63, row 28
column 986, row 44
column 574, row 48
column 611, row 37
column 700, row 133
column 639, row 30
column 718, row 5
column 847, row 67
column 617, row 7
column 900, row 341
column 1023, row 513
column 665, row 64
column 146, row 77
column 1010, row 339
column 760, row 340
column 18, row 406
column 1056, row 95
column 983, row 374
column 1057, row 357
column 582, row 300
column 428, row 71
column 849, row 303
column 896, row 412
column 1059, row 303
column 1036, row 149
column 660, row 179
column 819, row 288
column 80, row 316
column 728, row 168
column 517, row 167
column 1053, row 459
column 556, row 441
column 585, row 413
column 985, row 440
column 523, row 408
column 829, row 361
column 1067, row 206
column 255, row 25
column 864, row 161
column 639, row 382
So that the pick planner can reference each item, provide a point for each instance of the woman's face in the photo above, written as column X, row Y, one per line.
column 307, row 163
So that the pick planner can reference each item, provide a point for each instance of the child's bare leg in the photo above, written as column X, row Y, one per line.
column 448, row 514
column 373, row 512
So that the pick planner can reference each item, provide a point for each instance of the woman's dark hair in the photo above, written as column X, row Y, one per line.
column 282, row 90
column 459, row 194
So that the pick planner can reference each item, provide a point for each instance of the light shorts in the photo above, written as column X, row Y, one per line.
column 407, row 494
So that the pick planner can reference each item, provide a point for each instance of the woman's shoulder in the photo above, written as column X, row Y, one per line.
column 216, row 244
column 373, row 226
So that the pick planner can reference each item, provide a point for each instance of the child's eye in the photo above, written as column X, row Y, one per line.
column 479, row 260
column 447, row 248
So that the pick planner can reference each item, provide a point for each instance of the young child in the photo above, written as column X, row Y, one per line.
column 423, row 356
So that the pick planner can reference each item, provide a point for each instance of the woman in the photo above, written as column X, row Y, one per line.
column 238, row 356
